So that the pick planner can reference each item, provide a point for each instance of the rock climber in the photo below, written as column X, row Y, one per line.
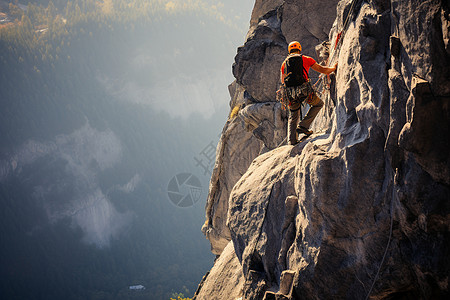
column 294, row 75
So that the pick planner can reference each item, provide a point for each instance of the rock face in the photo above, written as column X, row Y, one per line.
column 361, row 209
column 257, row 123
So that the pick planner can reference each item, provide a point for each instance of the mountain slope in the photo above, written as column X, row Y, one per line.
column 361, row 208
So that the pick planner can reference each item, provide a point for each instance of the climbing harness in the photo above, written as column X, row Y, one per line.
column 295, row 94
column 299, row 93
column 282, row 97
column 323, row 82
column 303, row 94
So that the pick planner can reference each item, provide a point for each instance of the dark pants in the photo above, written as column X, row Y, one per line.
column 294, row 115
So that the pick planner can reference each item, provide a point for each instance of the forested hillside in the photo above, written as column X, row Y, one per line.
column 94, row 38
column 102, row 103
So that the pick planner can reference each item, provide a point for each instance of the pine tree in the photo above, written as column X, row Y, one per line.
column 51, row 12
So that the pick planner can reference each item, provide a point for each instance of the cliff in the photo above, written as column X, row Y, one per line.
column 360, row 209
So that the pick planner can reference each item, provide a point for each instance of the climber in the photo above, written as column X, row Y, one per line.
column 294, row 76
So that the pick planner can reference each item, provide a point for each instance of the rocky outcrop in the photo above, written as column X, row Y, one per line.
column 257, row 123
column 361, row 209
column 225, row 281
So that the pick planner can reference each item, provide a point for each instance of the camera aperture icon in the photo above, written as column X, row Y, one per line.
column 184, row 190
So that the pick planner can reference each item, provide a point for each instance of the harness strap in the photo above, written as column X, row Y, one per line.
column 294, row 110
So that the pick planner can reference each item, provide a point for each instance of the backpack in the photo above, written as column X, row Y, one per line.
column 294, row 71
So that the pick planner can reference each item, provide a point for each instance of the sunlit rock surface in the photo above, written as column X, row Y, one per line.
column 255, row 128
column 228, row 278
column 361, row 209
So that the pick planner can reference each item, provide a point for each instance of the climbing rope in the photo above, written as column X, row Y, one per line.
column 336, row 48
column 320, row 86
column 341, row 34
column 390, row 236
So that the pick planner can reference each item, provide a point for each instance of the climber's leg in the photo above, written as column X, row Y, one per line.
column 316, row 104
column 294, row 115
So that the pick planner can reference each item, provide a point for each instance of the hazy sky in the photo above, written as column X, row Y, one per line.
column 90, row 169
column 180, row 68
column 197, row 61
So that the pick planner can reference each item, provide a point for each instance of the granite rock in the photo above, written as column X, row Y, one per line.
column 360, row 209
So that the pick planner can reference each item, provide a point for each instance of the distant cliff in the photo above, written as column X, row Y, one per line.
column 361, row 209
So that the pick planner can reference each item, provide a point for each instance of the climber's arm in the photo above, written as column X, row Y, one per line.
column 323, row 69
column 282, row 75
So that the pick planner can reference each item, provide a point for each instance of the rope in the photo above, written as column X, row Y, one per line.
column 388, row 243
column 344, row 30
column 337, row 46
column 318, row 81
column 341, row 34
column 282, row 142
column 319, row 84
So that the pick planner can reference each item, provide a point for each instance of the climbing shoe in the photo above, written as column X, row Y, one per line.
column 303, row 130
column 293, row 143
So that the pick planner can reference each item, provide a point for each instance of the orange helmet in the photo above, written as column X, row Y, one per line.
column 294, row 45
